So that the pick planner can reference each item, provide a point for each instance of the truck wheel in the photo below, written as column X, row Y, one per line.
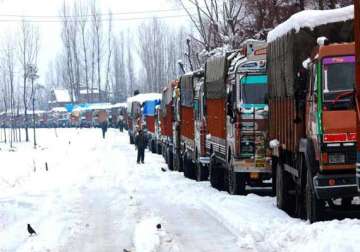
column 175, row 162
column 153, row 146
column 282, row 185
column 180, row 165
column 212, row 174
column 170, row 159
column 314, row 206
column 201, row 172
column 236, row 183
column 159, row 149
column 186, row 167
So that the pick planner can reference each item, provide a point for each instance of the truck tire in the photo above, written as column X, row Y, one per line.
column 170, row 160
column 314, row 206
column 201, row 172
column 153, row 146
column 216, row 176
column 164, row 154
column 212, row 173
column 188, row 168
column 282, row 186
column 236, row 183
column 159, row 149
column 178, row 162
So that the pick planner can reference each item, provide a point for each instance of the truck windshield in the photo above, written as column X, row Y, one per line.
column 254, row 89
column 339, row 82
column 339, row 74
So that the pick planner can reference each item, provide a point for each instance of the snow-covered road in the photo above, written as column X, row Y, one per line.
column 96, row 198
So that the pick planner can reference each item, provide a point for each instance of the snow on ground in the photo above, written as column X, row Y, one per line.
column 94, row 197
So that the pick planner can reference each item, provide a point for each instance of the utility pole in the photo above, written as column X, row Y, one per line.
column 32, row 72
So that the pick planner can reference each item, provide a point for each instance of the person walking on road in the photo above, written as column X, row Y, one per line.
column 121, row 123
column 140, row 143
column 104, row 126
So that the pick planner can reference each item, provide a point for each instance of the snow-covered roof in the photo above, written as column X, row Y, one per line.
column 85, row 91
column 311, row 19
column 62, row 95
column 141, row 98
column 119, row 105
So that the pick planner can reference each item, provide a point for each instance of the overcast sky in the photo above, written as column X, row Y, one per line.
column 50, row 31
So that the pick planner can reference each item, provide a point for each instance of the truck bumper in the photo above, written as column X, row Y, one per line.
column 345, row 186
column 204, row 160
column 249, row 167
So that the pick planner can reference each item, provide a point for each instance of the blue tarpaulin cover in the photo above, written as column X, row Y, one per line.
column 149, row 107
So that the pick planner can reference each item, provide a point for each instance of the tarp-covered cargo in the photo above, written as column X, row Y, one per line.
column 216, row 69
column 286, row 53
column 149, row 107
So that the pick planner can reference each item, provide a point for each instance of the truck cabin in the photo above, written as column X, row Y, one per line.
column 332, row 85
column 250, row 89
column 333, row 70
column 199, row 100
column 252, row 92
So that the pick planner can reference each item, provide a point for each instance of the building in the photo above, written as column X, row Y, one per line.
column 59, row 98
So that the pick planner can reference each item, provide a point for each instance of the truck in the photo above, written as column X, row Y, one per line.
column 313, row 113
column 357, row 79
column 201, row 159
column 135, row 117
column 191, row 125
column 237, row 118
column 176, row 154
column 150, row 117
column 166, row 123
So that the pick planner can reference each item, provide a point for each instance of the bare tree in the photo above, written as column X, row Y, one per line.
column 28, row 52
column 97, row 33
column 67, row 38
column 83, row 12
column 8, row 65
column 110, row 44
column 217, row 22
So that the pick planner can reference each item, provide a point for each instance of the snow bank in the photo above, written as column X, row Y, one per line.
column 311, row 19
column 146, row 237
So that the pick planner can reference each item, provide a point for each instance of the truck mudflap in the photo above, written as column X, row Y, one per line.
column 259, row 166
column 335, row 186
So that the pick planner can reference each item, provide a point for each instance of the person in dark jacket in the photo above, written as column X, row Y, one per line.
column 121, row 124
column 104, row 126
column 140, row 143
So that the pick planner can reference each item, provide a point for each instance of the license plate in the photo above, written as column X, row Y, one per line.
column 336, row 158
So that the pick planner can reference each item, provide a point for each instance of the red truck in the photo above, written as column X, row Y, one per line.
column 313, row 114
column 357, row 79
column 237, row 118
column 191, row 127
column 166, row 123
